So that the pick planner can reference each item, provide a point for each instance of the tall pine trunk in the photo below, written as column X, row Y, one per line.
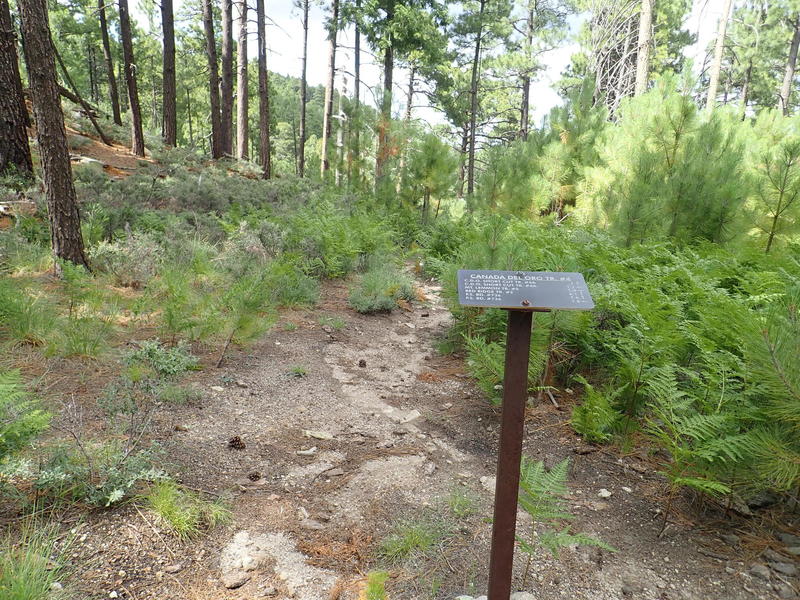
column 301, row 148
column 462, row 167
column 263, row 94
column 716, row 66
column 169, row 110
column 407, row 120
column 137, row 135
column 791, row 62
column 473, row 108
column 356, row 122
column 112, row 80
column 213, row 79
column 242, row 98
column 385, row 118
column 327, row 113
column 15, row 153
column 525, row 110
column 91, row 71
column 643, row 49
column 226, row 85
column 62, row 204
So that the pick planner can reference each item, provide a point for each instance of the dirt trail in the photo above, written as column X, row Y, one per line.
column 351, row 423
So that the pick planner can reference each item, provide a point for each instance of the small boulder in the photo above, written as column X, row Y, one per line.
column 761, row 572
column 235, row 579
column 784, row 569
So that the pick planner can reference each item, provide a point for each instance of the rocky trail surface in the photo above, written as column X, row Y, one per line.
column 336, row 427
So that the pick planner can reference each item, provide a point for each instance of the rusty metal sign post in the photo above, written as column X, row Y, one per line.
column 521, row 293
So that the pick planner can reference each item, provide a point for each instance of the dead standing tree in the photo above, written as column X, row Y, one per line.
column 613, row 44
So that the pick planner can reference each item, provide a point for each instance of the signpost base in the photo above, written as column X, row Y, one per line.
column 515, row 396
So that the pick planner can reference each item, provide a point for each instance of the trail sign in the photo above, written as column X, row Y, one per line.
column 532, row 290
column 521, row 293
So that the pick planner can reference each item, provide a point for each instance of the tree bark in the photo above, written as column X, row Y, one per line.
column 226, row 84
column 356, row 123
column 189, row 116
column 169, row 110
column 643, row 50
column 301, row 149
column 716, row 66
column 213, row 80
column 746, row 88
column 407, row 120
column 524, row 112
column 15, row 152
column 462, row 170
column 62, row 204
column 112, row 80
column 340, row 135
column 137, row 135
column 791, row 62
column 92, row 70
column 473, row 109
column 242, row 99
column 328, row 108
column 263, row 94
column 382, row 154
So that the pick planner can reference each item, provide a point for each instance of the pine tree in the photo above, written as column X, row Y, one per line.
column 62, row 205
column 15, row 153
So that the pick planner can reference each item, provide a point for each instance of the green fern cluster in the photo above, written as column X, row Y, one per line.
column 541, row 495
column 21, row 419
column 696, row 347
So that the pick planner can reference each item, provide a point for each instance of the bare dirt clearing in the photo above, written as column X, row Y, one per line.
column 351, row 424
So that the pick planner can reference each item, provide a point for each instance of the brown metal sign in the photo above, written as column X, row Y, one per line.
column 520, row 292
column 524, row 290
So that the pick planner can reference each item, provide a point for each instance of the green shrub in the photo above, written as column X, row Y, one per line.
column 183, row 511
column 288, row 286
column 133, row 261
column 165, row 361
column 379, row 290
column 97, row 473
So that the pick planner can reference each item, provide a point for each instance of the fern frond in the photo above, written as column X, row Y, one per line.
column 541, row 491
column 555, row 540
column 707, row 486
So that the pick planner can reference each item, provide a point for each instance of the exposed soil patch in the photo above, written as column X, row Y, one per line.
column 347, row 430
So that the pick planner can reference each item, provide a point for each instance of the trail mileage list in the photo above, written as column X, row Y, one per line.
column 531, row 290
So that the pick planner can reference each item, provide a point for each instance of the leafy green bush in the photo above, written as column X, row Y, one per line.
column 165, row 361
column 97, row 473
column 380, row 288
column 132, row 260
